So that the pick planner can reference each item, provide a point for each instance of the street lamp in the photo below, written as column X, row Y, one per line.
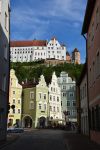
column 66, row 114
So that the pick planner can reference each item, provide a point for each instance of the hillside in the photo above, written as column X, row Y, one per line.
column 33, row 70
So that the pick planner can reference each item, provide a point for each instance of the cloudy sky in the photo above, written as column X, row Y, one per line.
column 43, row 19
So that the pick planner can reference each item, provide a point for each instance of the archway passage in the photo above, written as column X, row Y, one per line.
column 42, row 121
column 27, row 122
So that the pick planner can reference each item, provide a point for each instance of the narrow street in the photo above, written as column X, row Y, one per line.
column 51, row 140
column 39, row 139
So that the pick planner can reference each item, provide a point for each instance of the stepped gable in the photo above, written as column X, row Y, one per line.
column 28, row 43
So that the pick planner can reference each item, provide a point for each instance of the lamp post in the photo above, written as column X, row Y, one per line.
column 66, row 114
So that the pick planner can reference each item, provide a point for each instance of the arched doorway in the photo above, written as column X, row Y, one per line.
column 27, row 122
column 42, row 121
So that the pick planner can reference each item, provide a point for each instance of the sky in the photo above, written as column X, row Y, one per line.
column 44, row 19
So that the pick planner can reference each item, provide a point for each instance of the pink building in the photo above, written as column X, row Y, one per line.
column 91, row 32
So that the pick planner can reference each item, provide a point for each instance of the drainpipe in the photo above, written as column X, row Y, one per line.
column 87, row 84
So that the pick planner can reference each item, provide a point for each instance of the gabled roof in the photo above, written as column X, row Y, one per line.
column 88, row 15
column 28, row 43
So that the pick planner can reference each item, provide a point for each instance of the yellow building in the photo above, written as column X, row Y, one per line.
column 15, row 93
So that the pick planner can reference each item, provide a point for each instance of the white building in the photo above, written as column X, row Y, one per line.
column 4, row 65
column 27, row 51
column 68, row 97
column 55, row 50
column 55, row 99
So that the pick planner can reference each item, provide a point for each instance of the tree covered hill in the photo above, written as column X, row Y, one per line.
column 33, row 70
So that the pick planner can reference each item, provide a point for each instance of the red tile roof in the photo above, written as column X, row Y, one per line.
column 28, row 43
column 29, row 84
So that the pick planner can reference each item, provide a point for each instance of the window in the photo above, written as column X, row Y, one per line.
column 64, row 94
column 19, row 101
column 64, row 80
column 31, row 95
column 6, row 21
column 68, row 103
column 40, row 95
column 13, row 92
column 68, row 112
column 13, row 111
column 44, row 96
column 74, row 103
column 74, row 112
column 92, row 32
column 40, row 106
column 64, row 87
column 50, row 97
column 54, row 109
column 13, row 101
column 97, row 65
column 31, row 105
column 4, row 83
column 54, row 98
column 71, row 94
column 45, row 106
column 18, row 111
column 57, row 99
column 57, row 109
column 97, row 17
column 50, row 108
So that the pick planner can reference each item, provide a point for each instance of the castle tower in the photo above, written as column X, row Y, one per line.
column 76, row 56
column 68, row 57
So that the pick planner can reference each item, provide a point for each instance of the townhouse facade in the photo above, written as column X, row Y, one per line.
column 68, row 97
column 28, row 105
column 42, row 103
column 15, row 99
column 84, row 103
column 27, row 51
column 54, row 100
column 91, row 28
column 4, row 65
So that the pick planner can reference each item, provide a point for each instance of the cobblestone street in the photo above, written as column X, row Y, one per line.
column 51, row 139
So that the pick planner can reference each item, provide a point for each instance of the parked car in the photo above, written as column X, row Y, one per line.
column 15, row 130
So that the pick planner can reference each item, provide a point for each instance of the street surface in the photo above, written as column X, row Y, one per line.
column 50, row 140
column 39, row 140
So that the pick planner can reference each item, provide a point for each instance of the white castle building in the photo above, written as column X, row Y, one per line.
column 28, row 51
